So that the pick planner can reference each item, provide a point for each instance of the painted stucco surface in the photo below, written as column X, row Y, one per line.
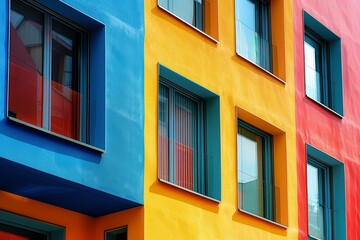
column 316, row 125
column 172, row 213
column 118, row 171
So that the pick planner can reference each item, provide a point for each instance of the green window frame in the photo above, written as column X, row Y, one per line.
column 256, row 189
column 323, row 65
column 181, row 100
column 325, row 196
column 253, row 32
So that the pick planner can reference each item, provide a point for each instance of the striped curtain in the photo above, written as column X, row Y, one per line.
column 177, row 137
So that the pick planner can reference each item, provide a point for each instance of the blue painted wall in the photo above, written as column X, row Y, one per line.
column 118, row 171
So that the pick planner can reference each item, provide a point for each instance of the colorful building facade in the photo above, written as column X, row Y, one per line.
column 70, row 157
column 167, row 119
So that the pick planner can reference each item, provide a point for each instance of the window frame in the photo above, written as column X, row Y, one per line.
column 48, row 230
column 337, row 211
column 333, row 88
column 95, row 72
column 267, row 169
column 280, row 175
column 206, row 21
column 112, row 233
column 49, row 17
column 327, row 195
column 261, row 23
column 199, row 167
column 212, row 152
column 311, row 39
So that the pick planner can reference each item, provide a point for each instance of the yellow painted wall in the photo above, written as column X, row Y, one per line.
column 172, row 213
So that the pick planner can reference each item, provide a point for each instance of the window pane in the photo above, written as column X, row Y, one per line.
column 26, row 64
column 179, row 128
column 315, row 186
column 312, row 69
column 185, row 141
column 253, row 31
column 65, row 94
column 188, row 10
column 250, row 172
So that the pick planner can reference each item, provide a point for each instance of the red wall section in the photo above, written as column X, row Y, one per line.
column 317, row 126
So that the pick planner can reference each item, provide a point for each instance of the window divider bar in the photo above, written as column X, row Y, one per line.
column 47, row 72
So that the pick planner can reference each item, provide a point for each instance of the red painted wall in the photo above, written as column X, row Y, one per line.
column 317, row 126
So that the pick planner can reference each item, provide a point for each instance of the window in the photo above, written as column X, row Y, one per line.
column 181, row 138
column 255, row 171
column 323, row 77
column 253, row 32
column 188, row 154
column 326, row 196
column 49, row 72
column 16, row 227
column 261, row 169
column 117, row 234
column 201, row 14
column 8, row 232
column 319, row 202
column 191, row 11
column 316, row 51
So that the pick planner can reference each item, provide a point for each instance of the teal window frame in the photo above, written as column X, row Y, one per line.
column 211, row 152
column 22, row 225
column 330, row 73
column 259, row 34
column 334, row 192
column 198, row 11
column 321, row 69
column 267, row 170
column 116, row 234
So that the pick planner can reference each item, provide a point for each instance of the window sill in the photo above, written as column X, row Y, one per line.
column 326, row 107
column 262, row 69
column 196, row 29
column 57, row 135
column 189, row 191
column 264, row 219
column 312, row 238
